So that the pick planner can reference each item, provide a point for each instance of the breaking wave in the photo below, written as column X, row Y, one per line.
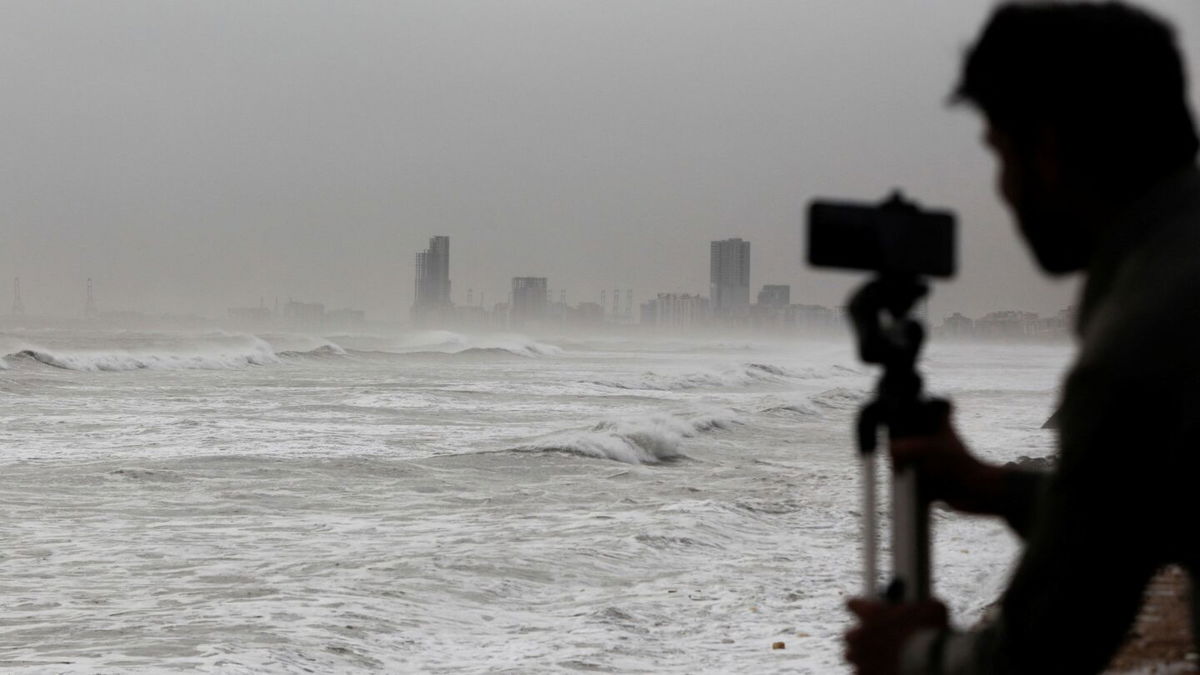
column 325, row 350
column 744, row 375
column 259, row 355
column 448, row 343
column 531, row 351
column 244, row 351
column 791, row 408
column 840, row 398
column 644, row 440
column 221, row 351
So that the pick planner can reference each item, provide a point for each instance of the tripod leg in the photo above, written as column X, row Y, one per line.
column 866, row 431
column 910, row 539
column 869, row 533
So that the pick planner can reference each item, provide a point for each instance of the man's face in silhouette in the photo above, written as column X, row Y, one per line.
column 1032, row 181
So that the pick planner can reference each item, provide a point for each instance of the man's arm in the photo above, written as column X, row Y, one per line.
column 952, row 474
column 1098, row 537
column 1022, row 489
column 1071, row 602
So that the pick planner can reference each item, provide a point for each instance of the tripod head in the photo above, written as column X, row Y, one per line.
column 889, row 336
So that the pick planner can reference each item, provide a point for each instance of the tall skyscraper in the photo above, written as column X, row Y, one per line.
column 729, row 277
column 433, row 280
column 89, row 306
column 529, row 299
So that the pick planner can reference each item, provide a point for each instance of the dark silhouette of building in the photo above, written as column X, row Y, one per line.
column 89, row 307
column 1006, row 324
column 957, row 325
column 775, row 295
column 433, row 280
column 529, row 300
column 676, row 310
column 813, row 318
column 729, row 277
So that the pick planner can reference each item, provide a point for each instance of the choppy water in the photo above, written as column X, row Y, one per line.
column 434, row 502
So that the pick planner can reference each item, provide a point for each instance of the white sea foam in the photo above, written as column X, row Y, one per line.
column 260, row 509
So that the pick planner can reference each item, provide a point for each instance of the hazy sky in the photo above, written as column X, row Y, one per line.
column 191, row 156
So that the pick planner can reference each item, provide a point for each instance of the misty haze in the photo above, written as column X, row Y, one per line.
column 444, row 336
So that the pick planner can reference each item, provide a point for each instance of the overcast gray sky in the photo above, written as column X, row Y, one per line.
column 195, row 155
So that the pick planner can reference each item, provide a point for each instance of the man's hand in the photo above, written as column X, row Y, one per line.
column 949, row 472
column 873, row 646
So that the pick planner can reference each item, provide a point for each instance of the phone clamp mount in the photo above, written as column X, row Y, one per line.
column 889, row 336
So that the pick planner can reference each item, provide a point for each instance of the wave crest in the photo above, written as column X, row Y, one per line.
column 442, row 343
column 840, row 398
column 326, row 350
column 645, row 440
column 256, row 353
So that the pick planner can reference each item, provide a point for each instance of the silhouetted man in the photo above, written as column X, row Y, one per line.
column 1087, row 116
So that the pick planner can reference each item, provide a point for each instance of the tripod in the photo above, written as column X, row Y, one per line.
column 887, row 335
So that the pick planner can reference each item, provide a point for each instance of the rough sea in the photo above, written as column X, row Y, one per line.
column 434, row 502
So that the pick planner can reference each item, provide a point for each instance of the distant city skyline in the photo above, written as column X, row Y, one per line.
column 530, row 303
column 190, row 157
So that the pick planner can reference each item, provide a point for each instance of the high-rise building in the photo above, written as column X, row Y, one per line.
column 433, row 280
column 729, row 277
column 775, row 295
column 89, row 306
column 529, row 300
column 676, row 310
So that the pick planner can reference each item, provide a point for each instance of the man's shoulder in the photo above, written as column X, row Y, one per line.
column 1159, row 283
column 1149, row 321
